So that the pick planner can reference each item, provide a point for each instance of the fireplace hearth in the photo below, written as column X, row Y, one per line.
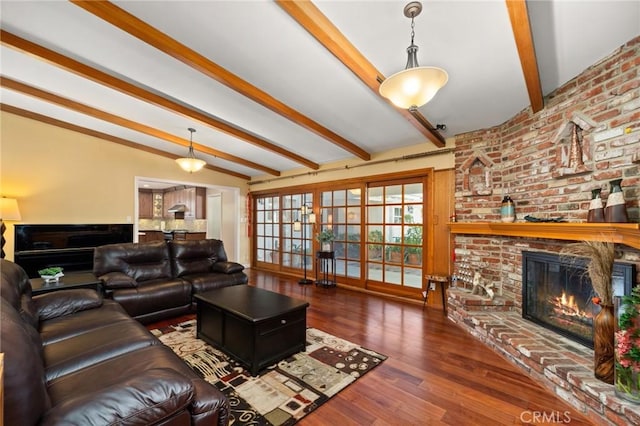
column 557, row 293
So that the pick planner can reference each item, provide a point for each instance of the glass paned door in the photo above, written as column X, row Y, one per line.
column 268, row 229
column 394, row 230
column 341, row 212
column 297, row 231
column 284, row 232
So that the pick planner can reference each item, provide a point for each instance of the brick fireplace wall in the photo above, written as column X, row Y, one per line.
column 527, row 157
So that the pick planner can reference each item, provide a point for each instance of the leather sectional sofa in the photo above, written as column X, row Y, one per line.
column 71, row 357
column 158, row 279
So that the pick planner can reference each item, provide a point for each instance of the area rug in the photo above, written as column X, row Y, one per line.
column 283, row 393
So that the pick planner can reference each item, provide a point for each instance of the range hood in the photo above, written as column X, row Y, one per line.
column 178, row 208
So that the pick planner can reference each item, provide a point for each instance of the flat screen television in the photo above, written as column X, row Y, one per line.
column 68, row 246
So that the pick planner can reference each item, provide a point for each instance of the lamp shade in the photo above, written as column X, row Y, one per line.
column 9, row 209
column 190, row 164
column 413, row 87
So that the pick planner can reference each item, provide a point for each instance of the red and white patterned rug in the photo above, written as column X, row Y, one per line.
column 283, row 393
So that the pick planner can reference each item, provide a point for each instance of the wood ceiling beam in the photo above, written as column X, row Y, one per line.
column 100, row 77
column 526, row 50
column 124, row 122
column 152, row 36
column 306, row 14
column 90, row 132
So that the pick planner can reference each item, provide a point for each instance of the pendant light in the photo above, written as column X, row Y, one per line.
column 415, row 85
column 190, row 163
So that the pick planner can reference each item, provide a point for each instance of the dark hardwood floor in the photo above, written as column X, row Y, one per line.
column 436, row 373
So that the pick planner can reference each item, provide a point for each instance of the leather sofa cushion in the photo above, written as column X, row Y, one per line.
column 25, row 394
column 15, row 288
column 211, row 281
column 154, row 295
column 94, row 346
column 140, row 261
column 90, row 380
column 192, row 257
column 61, row 303
column 227, row 267
column 115, row 280
column 61, row 328
column 141, row 399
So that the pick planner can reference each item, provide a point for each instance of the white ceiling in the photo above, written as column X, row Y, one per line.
column 260, row 43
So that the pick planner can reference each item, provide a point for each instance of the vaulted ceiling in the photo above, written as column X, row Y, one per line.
column 272, row 86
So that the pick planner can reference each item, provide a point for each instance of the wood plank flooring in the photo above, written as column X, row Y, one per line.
column 436, row 372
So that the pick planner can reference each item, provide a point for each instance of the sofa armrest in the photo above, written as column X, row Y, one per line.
column 146, row 398
column 114, row 280
column 61, row 303
column 227, row 267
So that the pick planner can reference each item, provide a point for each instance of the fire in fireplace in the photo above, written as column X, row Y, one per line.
column 557, row 294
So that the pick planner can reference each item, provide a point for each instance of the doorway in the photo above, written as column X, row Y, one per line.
column 227, row 199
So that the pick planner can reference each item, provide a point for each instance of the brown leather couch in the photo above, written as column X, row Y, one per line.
column 155, row 280
column 71, row 357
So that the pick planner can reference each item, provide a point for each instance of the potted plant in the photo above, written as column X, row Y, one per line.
column 325, row 237
column 413, row 251
column 394, row 254
column 375, row 244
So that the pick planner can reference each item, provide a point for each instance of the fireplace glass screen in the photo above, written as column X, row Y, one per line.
column 557, row 294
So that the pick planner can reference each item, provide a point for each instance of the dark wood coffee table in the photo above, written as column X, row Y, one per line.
column 254, row 326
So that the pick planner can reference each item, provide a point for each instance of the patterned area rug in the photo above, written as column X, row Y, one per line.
column 283, row 393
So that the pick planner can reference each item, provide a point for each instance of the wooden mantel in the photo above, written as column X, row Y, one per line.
column 623, row 233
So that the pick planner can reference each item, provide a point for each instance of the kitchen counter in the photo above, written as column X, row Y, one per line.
column 168, row 235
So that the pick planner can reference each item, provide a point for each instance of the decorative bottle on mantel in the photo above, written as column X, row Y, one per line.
column 616, row 210
column 596, row 208
column 507, row 210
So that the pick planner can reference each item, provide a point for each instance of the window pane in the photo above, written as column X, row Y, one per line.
column 393, row 233
column 374, row 195
column 354, row 197
column 412, row 277
column 374, row 272
column 393, row 194
column 353, row 215
column 326, row 199
column 339, row 198
column 392, row 274
column 286, row 202
column 375, row 214
column 353, row 251
column 353, row 269
column 353, row 233
column 413, row 193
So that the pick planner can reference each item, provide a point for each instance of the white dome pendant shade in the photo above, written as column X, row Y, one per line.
column 190, row 163
column 415, row 85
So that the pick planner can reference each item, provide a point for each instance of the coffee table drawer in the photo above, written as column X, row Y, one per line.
column 273, row 325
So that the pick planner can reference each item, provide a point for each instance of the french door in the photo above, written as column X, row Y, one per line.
column 394, row 228
column 379, row 244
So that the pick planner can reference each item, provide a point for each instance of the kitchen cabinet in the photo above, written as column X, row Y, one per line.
column 145, row 204
column 169, row 200
column 201, row 203
column 158, row 200
column 146, row 236
column 196, row 236
column 194, row 198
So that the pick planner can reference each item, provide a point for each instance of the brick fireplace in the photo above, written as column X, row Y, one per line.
column 526, row 157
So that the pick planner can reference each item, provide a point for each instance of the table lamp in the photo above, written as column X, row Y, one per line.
column 8, row 211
